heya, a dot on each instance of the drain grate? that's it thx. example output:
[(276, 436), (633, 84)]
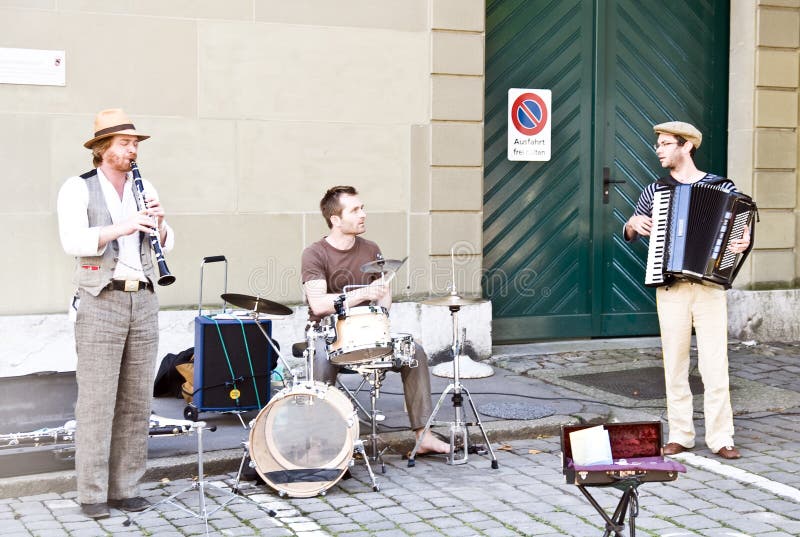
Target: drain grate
[(638, 383), (516, 411)]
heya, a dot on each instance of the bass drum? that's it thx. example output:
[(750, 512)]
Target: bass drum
[(302, 442)]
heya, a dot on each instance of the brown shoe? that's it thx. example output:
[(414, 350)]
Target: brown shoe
[(729, 452), (673, 448)]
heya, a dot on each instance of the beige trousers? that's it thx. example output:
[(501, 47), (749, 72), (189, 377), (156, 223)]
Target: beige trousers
[(679, 307), (116, 337)]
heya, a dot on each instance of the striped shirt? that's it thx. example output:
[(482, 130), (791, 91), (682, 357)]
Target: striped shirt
[(645, 204)]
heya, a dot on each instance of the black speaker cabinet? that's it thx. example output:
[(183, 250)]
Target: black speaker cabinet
[(233, 364)]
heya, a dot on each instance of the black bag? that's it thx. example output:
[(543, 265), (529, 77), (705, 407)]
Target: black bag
[(169, 380)]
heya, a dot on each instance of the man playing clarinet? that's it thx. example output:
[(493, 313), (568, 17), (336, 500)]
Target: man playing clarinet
[(683, 303), (116, 330)]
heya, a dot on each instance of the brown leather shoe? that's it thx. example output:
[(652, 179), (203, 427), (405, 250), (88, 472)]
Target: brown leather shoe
[(729, 452), (673, 448)]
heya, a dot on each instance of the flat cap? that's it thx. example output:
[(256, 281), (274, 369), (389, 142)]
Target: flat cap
[(680, 128)]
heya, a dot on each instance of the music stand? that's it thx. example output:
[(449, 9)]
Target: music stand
[(200, 485)]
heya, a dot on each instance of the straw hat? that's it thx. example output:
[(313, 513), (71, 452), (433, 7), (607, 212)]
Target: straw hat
[(111, 122), (679, 128)]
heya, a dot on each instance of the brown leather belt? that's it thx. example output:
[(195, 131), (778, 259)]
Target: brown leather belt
[(128, 285)]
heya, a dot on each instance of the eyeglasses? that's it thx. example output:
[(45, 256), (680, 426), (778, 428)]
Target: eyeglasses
[(663, 144)]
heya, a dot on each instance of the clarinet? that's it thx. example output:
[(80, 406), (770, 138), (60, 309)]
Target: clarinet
[(155, 241), (40, 437)]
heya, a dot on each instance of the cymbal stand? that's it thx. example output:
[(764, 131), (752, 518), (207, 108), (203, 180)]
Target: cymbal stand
[(255, 315), (200, 485), (458, 427)]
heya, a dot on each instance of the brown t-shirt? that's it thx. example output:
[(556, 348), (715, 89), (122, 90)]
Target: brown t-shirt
[(338, 268)]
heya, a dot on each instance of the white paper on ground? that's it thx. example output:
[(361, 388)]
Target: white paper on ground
[(591, 446)]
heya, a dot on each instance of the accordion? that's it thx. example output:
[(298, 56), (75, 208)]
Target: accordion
[(692, 228)]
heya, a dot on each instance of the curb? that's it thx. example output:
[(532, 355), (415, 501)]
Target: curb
[(225, 461)]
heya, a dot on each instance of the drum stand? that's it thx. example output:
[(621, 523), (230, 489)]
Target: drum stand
[(200, 485), (458, 427), (374, 376)]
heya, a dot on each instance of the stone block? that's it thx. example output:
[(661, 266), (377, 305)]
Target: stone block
[(778, 28), (25, 144), (777, 68), (314, 226), (456, 189), (776, 229), (740, 156), (309, 73), (457, 53), (390, 231), (143, 74), (420, 168), (408, 15), (764, 315), (456, 144), (43, 283), (191, 9), (275, 158), (797, 258), (460, 231), (775, 148), (776, 266), (30, 4), (775, 190), (457, 97), (468, 269), (776, 108), (263, 253), (419, 277), (779, 3), (192, 164), (468, 15)]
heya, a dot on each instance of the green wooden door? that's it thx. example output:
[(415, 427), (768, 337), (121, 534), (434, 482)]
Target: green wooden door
[(555, 264)]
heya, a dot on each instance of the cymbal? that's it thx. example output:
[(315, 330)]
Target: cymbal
[(383, 265), (451, 300), (260, 305)]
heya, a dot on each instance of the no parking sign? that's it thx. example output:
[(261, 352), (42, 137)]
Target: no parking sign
[(529, 124)]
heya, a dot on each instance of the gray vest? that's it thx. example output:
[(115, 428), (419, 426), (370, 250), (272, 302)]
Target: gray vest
[(95, 280)]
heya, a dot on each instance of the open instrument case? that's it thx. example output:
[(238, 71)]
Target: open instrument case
[(637, 459)]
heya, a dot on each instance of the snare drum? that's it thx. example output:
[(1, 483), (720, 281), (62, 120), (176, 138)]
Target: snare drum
[(302, 442), (361, 335)]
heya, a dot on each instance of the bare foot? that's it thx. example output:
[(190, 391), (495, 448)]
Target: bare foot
[(431, 444)]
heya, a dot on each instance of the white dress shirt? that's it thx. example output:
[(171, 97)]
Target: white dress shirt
[(78, 239)]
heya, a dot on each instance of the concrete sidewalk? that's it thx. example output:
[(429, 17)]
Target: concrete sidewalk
[(756, 495)]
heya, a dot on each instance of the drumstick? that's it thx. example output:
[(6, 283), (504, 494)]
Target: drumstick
[(387, 282)]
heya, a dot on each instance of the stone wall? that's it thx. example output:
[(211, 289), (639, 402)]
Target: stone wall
[(255, 108), (763, 143)]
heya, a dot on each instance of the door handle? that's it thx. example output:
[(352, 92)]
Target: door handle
[(607, 180)]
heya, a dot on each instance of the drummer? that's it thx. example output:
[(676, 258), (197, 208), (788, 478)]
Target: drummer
[(335, 261)]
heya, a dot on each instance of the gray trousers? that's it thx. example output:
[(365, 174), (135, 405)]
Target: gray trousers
[(416, 382), (116, 338)]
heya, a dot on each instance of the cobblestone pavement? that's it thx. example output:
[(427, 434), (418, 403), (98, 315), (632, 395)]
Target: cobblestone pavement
[(754, 496)]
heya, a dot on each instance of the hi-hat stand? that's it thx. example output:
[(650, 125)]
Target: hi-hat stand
[(200, 486), (458, 427)]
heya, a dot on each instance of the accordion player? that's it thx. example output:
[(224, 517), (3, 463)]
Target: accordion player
[(693, 224)]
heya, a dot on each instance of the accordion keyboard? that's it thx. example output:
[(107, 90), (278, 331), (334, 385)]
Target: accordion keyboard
[(654, 271)]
